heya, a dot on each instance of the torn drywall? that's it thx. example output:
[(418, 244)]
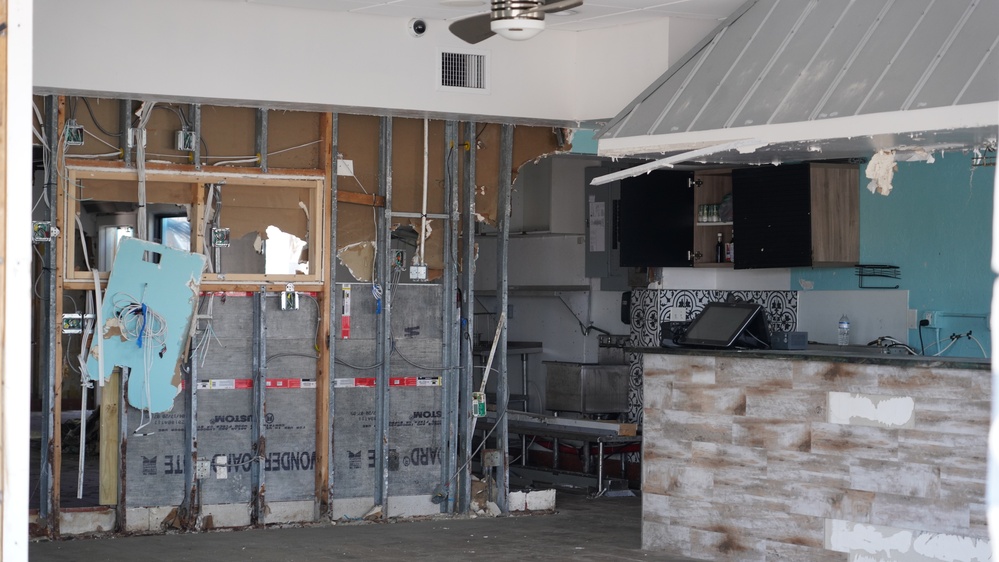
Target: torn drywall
[(359, 259), (880, 171), (146, 314)]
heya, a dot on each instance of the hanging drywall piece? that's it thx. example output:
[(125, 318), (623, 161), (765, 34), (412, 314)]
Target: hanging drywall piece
[(880, 170), (146, 314)]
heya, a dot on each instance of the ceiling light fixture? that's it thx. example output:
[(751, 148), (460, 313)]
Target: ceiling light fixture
[(517, 29)]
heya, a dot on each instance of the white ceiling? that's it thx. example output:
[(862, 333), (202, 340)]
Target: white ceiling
[(593, 14)]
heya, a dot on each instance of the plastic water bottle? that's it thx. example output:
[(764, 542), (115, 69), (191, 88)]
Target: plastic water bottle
[(844, 331)]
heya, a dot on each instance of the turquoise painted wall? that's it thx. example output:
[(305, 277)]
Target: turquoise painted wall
[(936, 225)]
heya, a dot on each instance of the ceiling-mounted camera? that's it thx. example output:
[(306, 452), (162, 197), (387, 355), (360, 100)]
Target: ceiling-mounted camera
[(417, 27)]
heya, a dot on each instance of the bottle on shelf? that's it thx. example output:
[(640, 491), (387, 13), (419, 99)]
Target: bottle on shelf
[(730, 249), (844, 331), (719, 250)]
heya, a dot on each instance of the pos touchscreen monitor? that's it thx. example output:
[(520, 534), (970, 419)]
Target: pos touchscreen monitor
[(728, 324)]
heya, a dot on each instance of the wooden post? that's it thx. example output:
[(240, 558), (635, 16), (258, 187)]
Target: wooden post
[(324, 449), (109, 453)]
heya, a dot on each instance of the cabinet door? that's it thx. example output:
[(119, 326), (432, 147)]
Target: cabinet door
[(771, 212), (655, 224)]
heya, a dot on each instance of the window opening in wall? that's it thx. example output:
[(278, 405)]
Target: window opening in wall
[(187, 210), (283, 253), (175, 232), (107, 244)]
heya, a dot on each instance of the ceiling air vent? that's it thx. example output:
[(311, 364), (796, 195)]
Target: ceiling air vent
[(464, 72)]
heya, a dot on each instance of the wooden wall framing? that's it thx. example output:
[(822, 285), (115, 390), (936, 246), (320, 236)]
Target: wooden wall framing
[(303, 148)]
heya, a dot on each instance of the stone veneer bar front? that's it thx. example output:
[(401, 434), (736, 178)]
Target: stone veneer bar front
[(818, 456)]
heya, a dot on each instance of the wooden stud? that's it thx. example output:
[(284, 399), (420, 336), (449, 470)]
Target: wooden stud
[(360, 198), (109, 451), (323, 375), (59, 250)]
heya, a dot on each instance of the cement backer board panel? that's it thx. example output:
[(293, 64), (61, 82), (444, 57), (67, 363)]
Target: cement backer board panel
[(415, 412), (154, 457), (289, 465), (225, 412)]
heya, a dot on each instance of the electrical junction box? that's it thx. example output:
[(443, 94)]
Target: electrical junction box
[(789, 340), (136, 136), (479, 404), (220, 237), (202, 469), (418, 272), (289, 298), (74, 133), (398, 260), (41, 231), (344, 167), (185, 141), (72, 323)]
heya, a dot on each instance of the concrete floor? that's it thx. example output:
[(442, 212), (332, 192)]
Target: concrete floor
[(581, 530)]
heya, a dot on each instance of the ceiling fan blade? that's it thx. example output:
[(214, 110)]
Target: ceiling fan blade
[(472, 29), (559, 6)]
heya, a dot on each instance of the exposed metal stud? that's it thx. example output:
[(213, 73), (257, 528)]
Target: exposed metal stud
[(330, 444), (449, 400), (465, 421), (502, 288), (190, 506), (124, 124), (47, 508), (261, 138), (383, 321), (194, 116), (258, 437)]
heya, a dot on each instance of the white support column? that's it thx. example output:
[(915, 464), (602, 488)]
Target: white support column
[(15, 370)]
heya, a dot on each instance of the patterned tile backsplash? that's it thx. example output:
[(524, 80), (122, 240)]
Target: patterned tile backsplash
[(649, 307)]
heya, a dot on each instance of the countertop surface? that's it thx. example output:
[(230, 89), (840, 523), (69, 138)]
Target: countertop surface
[(849, 354)]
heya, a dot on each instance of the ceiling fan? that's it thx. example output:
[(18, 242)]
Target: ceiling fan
[(513, 19)]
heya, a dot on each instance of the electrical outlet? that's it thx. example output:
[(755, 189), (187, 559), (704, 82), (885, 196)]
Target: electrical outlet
[(929, 317), (678, 313), (202, 469), (344, 167)]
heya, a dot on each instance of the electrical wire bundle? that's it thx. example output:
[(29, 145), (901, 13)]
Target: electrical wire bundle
[(148, 329)]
